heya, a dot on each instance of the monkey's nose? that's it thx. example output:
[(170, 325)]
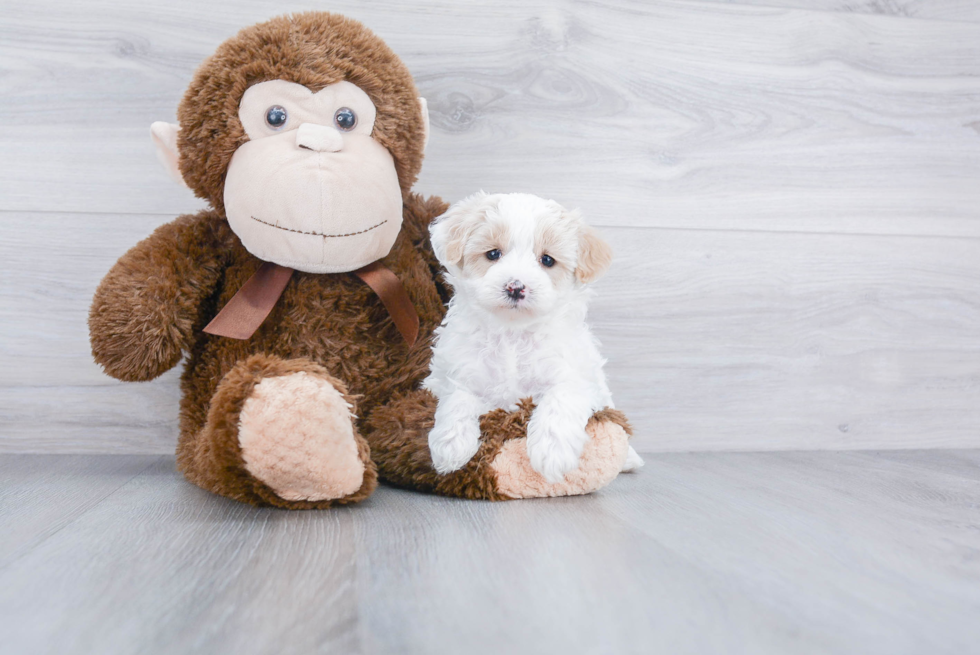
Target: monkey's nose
[(515, 290), (319, 138)]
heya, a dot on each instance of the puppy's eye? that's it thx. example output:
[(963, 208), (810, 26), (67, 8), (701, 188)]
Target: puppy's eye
[(345, 118), (493, 255), (276, 116), (547, 261)]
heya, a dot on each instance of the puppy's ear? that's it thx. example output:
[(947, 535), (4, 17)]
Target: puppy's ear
[(450, 231), (594, 255)]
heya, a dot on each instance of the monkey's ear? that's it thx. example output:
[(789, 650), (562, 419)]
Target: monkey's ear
[(425, 121), (165, 139)]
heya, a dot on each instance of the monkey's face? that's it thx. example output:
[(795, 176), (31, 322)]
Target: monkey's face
[(311, 189)]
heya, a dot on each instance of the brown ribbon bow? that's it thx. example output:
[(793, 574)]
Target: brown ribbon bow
[(247, 309)]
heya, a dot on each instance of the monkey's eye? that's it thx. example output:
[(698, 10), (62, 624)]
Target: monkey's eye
[(276, 116), (493, 255), (345, 118), (547, 261)]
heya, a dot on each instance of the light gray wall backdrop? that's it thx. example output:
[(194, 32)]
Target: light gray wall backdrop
[(792, 188)]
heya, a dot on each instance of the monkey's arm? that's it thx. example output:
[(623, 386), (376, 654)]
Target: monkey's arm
[(418, 213), (146, 308)]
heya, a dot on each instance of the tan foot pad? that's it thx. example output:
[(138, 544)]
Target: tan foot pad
[(601, 461), (296, 436)]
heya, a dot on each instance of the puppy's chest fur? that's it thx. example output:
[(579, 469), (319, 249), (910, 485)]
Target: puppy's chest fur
[(511, 366), (499, 366)]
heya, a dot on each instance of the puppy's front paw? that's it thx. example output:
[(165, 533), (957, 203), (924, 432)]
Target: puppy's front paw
[(554, 448), (453, 445)]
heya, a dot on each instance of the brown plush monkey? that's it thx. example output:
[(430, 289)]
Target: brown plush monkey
[(305, 134)]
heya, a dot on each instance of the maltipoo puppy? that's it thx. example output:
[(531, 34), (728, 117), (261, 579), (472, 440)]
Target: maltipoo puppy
[(519, 266)]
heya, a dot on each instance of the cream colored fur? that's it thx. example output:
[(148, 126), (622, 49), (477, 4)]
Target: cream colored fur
[(604, 454), (164, 137), (307, 194), (296, 436)]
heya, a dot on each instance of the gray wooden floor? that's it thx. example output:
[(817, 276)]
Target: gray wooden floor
[(860, 552)]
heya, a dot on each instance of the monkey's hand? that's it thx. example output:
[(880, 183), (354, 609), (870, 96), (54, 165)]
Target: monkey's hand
[(147, 306)]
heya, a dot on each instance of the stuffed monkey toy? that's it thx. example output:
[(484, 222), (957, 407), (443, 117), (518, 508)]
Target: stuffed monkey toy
[(304, 299)]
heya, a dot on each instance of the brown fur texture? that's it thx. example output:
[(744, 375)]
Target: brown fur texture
[(155, 301), (314, 49), (408, 420), (149, 310), (212, 459)]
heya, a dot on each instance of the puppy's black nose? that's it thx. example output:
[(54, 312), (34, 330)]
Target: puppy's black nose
[(515, 290)]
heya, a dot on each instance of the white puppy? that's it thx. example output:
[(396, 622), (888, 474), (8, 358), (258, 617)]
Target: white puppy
[(515, 328)]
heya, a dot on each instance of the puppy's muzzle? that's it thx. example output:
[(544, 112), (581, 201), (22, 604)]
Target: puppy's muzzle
[(515, 290)]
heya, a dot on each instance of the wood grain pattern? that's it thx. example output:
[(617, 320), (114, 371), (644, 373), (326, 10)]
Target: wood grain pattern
[(671, 114), (190, 573), (777, 182), (716, 340), (740, 340), (698, 553), (41, 494), (950, 10)]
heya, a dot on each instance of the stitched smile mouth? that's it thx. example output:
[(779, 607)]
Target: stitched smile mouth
[(319, 234)]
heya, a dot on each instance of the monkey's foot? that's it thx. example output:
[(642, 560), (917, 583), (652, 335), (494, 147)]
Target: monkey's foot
[(602, 459), (296, 436), (280, 432), (500, 470)]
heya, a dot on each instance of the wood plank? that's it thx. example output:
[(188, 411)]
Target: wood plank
[(715, 340), (53, 397), (41, 494), (814, 532), (949, 10), (698, 553), (556, 575), (111, 417), (670, 114), (736, 340), (171, 568)]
